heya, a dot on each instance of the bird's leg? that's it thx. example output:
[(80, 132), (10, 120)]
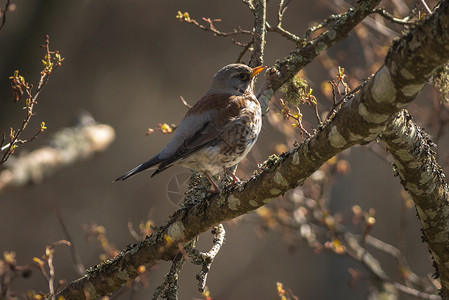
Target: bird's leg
[(214, 185), (235, 178)]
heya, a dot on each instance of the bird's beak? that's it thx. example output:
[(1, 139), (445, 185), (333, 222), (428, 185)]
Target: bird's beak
[(257, 70)]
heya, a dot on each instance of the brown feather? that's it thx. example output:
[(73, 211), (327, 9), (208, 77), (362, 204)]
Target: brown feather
[(228, 106)]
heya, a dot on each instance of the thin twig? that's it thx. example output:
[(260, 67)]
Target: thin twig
[(245, 49), (185, 102), (391, 18), (299, 123), (3, 141), (414, 292), (133, 232), (7, 146), (3, 13), (360, 254), (50, 277), (346, 97), (283, 4), (249, 3), (426, 7), (285, 33), (51, 281), (52, 61), (79, 267), (317, 114), (185, 17), (50, 250)]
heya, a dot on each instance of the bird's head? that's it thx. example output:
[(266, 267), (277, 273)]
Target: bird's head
[(235, 79)]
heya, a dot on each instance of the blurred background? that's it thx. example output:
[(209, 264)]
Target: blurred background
[(127, 63)]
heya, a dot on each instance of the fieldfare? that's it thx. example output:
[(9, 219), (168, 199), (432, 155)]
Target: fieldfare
[(218, 131)]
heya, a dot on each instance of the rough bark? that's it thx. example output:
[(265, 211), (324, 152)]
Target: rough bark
[(410, 62), (260, 17), (423, 178)]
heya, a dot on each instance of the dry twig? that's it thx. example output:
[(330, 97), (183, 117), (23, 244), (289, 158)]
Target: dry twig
[(3, 13), (205, 259), (393, 19), (52, 60)]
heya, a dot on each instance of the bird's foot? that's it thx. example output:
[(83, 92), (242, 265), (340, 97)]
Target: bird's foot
[(234, 178), (214, 185)]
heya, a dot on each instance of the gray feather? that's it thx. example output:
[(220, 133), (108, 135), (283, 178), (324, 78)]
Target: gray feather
[(148, 164)]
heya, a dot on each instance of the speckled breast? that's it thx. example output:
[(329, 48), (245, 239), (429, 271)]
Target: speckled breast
[(241, 136)]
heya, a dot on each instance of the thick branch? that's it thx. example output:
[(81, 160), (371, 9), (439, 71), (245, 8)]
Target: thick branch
[(423, 178), (409, 64), (68, 146)]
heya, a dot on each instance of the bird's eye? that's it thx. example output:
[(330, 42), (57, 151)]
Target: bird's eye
[(244, 76)]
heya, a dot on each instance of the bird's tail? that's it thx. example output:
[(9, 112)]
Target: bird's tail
[(148, 164)]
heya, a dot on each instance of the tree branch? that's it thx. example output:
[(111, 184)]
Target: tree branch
[(409, 64), (391, 18), (3, 13), (260, 31), (289, 66), (423, 178), (68, 146), (205, 259)]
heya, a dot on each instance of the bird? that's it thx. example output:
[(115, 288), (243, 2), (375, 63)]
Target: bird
[(218, 131)]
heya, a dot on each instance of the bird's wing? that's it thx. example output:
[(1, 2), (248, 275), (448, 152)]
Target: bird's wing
[(220, 108), (202, 138)]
